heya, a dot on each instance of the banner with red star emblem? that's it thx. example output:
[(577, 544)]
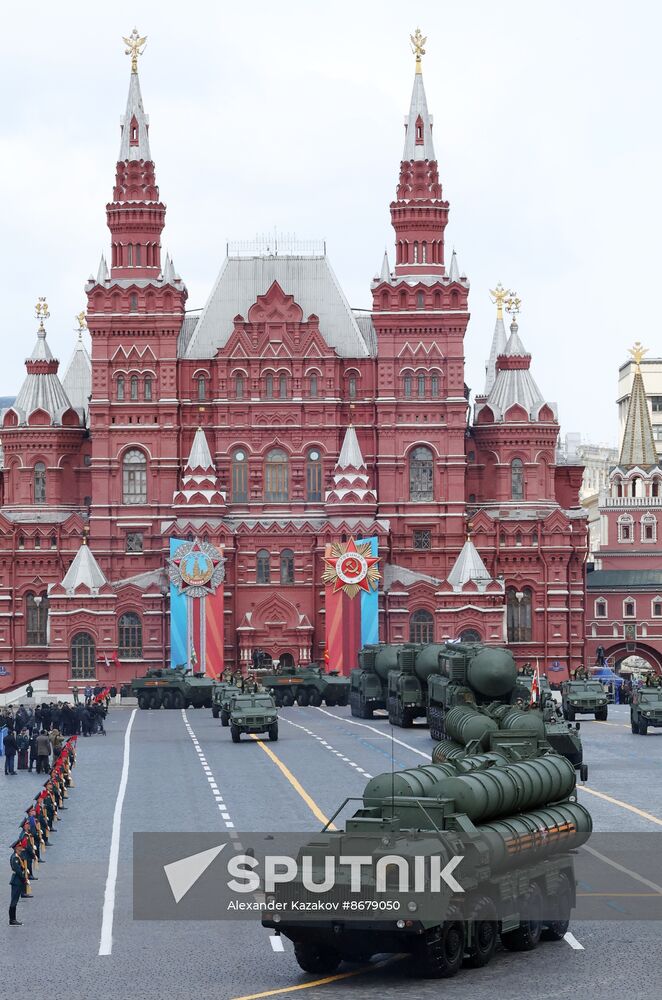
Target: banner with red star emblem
[(351, 605)]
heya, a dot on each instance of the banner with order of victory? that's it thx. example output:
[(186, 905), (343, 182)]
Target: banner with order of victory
[(197, 571)]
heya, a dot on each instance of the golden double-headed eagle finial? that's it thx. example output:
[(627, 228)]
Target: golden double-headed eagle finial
[(513, 304), (637, 352), (41, 311), (135, 46), (82, 321), (499, 296), (417, 43)]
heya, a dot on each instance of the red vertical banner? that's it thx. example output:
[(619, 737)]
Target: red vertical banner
[(345, 565), (214, 660)]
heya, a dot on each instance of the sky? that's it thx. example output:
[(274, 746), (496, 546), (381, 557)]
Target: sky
[(290, 115)]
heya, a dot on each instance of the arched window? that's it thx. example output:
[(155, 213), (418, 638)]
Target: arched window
[(239, 476), (36, 619), (263, 569), (239, 386), (469, 635), (625, 528), (601, 608), (420, 386), (202, 387), (655, 488), (415, 251), (629, 608), (421, 627), (269, 386), (134, 477), (351, 386), (421, 474), (83, 657), (130, 636), (134, 387), (517, 479), (133, 302), (434, 385), (518, 614), (313, 390), (39, 482), (314, 475), (648, 527), (406, 385), (129, 255), (420, 300), (120, 387), (282, 386), (148, 388), (287, 566), (276, 485)]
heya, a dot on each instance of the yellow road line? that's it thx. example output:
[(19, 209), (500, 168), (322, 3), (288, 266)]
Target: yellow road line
[(598, 722), (298, 787), (636, 895), (623, 805), (320, 982)]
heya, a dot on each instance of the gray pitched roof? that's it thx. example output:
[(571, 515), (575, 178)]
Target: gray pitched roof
[(41, 390), (407, 577), (515, 385), (310, 280), (84, 569), (638, 441), (367, 327), (77, 381), (624, 579), (498, 347), (134, 108), (418, 107), (468, 566)]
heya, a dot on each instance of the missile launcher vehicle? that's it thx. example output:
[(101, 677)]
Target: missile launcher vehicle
[(488, 839), (369, 681)]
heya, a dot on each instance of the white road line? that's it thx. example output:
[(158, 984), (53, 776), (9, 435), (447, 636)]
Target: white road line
[(106, 941), (213, 787), (327, 746), (380, 732), (572, 941), (622, 868), (276, 943)]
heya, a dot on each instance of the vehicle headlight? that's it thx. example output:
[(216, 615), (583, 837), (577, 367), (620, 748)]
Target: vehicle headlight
[(239, 718), (412, 906)]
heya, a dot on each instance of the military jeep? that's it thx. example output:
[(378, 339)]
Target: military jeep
[(253, 713), (646, 710), (585, 697)]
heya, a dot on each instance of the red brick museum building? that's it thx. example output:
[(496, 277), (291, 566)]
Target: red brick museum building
[(276, 420)]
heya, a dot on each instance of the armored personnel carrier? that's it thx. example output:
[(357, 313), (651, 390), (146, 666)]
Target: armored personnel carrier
[(172, 688), (509, 814), (306, 685), (646, 709), (253, 713), (584, 697)]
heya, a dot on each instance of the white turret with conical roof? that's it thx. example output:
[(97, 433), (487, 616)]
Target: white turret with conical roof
[(200, 487), (469, 566), (350, 478), (638, 448), (134, 144), (84, 570)]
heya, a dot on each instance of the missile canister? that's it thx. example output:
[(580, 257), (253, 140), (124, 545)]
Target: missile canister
[(464, 724), (513, 788), (509, 717), (416, 782), (447, 750), (547, 831), (492, 672)]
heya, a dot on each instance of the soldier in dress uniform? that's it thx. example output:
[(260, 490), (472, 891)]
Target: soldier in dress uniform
[(18, 880)]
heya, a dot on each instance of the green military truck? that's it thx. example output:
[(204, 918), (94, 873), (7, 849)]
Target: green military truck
[(176, 687), (253, 713), (583, 697), (646, 709), (369, 680), (306, 686)]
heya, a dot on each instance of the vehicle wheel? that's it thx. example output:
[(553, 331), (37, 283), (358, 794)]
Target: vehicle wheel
[(485, 933), (367, 712), (439, 954), (407, 719), (287, 699), (197, 705), (277, 697), (316, 699), (225, 718), (235, 734), (215, 711), (601, 715), (583, 772), (570, 714), (343, 700), (273, 732), (643, 727), (177, 699), (208, 703), (315, 957), (143, 700), (527, 935), (554, 930), (302, 698), (155, 700), (330, 701), (166, 701)]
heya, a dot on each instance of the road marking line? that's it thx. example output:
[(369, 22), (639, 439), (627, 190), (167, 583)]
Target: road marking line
[(106, 941), (622, 868), (384, 735), (327, 746), (322, 982), (276, 943), (623, 805), (296, 785), (572, 941), (213, 786)]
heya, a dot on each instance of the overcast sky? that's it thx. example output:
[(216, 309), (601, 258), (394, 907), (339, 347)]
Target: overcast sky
[(262, 114)]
